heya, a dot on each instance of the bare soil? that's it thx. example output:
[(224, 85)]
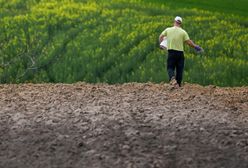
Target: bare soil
[(123, 126)]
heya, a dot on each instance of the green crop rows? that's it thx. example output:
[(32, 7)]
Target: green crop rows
[(115, 41)]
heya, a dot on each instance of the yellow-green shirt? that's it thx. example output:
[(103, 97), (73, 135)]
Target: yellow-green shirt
[(176, 37)]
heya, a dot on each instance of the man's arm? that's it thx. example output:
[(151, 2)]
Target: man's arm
[(190, 43), (161, 37), (193, 45)]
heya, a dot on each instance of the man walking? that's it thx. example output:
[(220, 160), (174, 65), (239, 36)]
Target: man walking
[(176, 37)]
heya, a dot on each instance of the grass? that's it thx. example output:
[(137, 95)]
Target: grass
[(117, 41), (237, 7)]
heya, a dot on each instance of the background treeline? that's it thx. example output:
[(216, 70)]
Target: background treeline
[(117, 41)]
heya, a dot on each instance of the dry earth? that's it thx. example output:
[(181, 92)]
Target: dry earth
[(123, 126)]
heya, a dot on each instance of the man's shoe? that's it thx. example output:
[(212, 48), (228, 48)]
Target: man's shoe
[(174, 83)]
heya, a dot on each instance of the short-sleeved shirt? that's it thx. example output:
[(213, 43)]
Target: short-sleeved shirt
[(176, 37)]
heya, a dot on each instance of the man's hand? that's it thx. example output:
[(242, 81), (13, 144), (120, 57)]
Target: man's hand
[(198, 48)]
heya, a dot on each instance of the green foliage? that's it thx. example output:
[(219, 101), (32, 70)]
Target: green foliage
[(117, 41), (238, 7)]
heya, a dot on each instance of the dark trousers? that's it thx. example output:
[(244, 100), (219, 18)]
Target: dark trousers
[(175, 61)]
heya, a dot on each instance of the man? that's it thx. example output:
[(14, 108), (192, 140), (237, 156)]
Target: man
[(176, 37)]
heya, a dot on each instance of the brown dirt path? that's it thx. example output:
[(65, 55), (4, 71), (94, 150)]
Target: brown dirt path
[(123, 126)]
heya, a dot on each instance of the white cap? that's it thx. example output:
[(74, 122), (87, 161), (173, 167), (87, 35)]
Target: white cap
[(178, 19)]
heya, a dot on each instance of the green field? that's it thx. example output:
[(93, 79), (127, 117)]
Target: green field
[(237, 7), (116, 41)]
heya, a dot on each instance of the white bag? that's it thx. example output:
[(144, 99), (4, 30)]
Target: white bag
[(163, 44)]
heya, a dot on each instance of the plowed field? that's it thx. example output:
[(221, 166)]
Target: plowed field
[(123, 126)]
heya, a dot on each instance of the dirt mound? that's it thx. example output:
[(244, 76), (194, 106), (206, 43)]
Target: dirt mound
[(123, 126)]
